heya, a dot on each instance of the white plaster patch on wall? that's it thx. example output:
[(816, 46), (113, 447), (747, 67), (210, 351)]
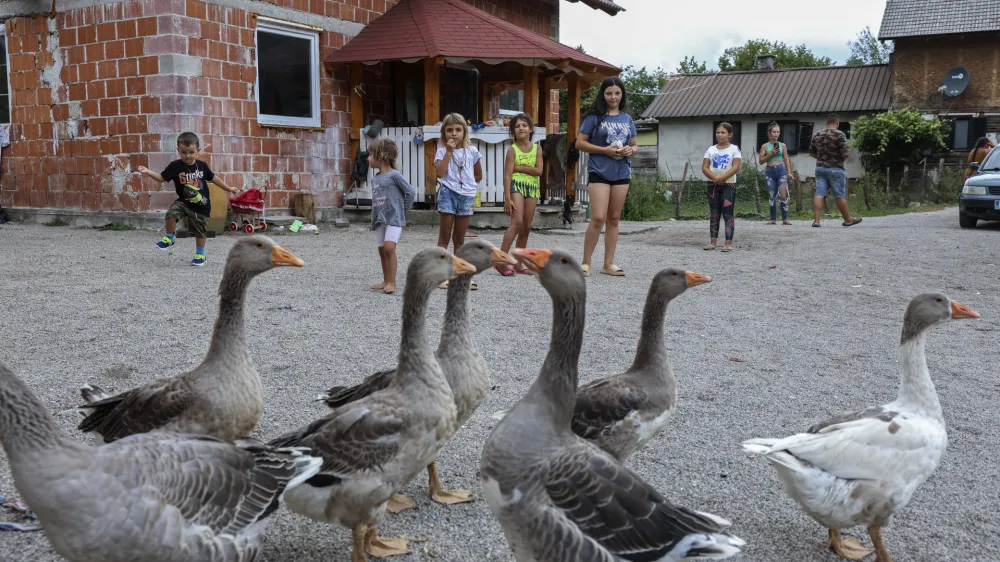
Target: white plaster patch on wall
[(52, 75), (116, 175)]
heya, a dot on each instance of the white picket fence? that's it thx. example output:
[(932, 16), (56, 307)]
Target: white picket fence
[(492, 143)]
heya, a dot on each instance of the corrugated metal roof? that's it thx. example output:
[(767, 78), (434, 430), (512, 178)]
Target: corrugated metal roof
[(607, 6), (775, 92), (914, 18)]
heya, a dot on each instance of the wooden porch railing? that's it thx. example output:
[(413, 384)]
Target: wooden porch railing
[(492, 144)]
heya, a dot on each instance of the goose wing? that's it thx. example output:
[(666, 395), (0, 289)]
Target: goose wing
[(212, 483), (339, 395), (614, 507), (139, 410), (602, 404), (350, 440), (865, 445)]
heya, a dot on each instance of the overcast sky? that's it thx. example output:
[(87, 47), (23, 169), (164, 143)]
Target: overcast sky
[(655, 33)]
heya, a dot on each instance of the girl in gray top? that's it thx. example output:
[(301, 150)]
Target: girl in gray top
[(392, 195)]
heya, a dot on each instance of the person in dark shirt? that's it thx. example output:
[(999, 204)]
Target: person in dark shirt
[(190, 177), (829, 147)]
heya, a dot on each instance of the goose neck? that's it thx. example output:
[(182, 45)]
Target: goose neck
[(556, 385), (457, 332), (651, 350), (415, 356), (230, 332), (25, 423), (916, 389)]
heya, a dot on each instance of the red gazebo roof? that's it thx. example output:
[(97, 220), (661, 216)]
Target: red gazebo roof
[(421, 29)]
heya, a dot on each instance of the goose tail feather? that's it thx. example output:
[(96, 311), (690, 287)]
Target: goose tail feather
[(93, 393), (759, 446), (714, 546)]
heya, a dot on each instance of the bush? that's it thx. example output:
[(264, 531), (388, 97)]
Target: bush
[(897, 138), (647, 200)]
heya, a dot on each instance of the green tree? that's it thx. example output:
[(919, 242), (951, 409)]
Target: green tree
[(641, 84), (744, 57), (897, 138), (868, 49), (692, 66)]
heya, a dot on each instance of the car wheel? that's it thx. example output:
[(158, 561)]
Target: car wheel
[(965, 221)]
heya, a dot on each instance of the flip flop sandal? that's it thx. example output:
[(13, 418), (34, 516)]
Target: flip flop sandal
[(586, 270), (523, 271), (728, 249), (856, 221), (506, 272), (815, 225), (709, 248), (613, 271), (474, 286)]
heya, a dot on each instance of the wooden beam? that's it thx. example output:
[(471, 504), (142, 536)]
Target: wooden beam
[(484, 101), (531, 92), (432, 114), (572, 126), (356, 107), (544, 95)]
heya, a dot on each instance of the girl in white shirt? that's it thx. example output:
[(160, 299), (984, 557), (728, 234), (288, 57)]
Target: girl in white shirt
[(721, 164)]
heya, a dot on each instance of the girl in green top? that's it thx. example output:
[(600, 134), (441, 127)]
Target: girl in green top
[(521, 182)]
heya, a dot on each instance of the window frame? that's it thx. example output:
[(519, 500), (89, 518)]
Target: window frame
[(10, 94), (299, 32), (510, 112), (954, 136)]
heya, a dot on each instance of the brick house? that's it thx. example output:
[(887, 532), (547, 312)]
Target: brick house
[(93, 92), (933, 37)]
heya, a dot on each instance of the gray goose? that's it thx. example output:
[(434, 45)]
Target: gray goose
[(460, 360), (223, 396), (861, 468), (156, 497), (558, 497), (374, 447), (620, 413)]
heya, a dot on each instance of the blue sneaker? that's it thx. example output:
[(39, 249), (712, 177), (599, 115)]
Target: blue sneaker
[(165, 243), (198, 260)]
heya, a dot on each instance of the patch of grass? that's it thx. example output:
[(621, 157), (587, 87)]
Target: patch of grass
[(646, 200), (55, 222), (117, 227)]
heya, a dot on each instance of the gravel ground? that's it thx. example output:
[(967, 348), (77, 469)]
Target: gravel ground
[(760, 352)]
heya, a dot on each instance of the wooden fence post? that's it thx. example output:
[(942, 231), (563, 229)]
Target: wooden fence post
[(887, 184), (680, 192), (756, 191), (797, 181), (923, 178)]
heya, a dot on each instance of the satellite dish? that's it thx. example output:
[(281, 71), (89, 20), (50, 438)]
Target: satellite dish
[(955, 82)]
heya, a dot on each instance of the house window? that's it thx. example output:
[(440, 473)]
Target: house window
[(511, 102), (287, 85), (846, 129), (4, 81), (960, 135)]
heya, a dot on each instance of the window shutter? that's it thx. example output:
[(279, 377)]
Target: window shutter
[(951, 133), (761, 136), (737, 133), (977, 130), (715, 125), (805, 136), (846, 129)]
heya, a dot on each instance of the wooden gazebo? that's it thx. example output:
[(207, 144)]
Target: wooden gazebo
[(439, 32)]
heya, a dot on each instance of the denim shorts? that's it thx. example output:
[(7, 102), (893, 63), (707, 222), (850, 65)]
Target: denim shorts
[(454, 204), (831, 180)]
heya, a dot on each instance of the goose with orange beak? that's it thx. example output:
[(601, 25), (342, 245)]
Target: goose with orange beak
[(861, 468), (621, 413), (223, 396)]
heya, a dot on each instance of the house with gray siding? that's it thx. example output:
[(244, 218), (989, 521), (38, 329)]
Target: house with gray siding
[(690, 106)]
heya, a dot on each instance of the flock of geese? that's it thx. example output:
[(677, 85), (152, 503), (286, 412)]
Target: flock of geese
[(177, 479)]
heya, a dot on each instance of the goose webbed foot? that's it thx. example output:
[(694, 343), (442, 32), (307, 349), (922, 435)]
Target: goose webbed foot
[(848, 548), (442, 495), (400, 502), (382, 548)]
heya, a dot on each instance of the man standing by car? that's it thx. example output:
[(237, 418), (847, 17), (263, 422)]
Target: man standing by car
[(829, 148)]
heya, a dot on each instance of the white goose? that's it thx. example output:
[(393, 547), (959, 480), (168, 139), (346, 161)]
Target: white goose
[(860, 468), (156, 497)]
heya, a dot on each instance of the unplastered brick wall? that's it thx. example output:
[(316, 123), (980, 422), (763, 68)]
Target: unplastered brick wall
[(98, 91), (920, 65)]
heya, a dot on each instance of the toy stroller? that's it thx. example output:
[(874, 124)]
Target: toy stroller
[(249, 203)]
